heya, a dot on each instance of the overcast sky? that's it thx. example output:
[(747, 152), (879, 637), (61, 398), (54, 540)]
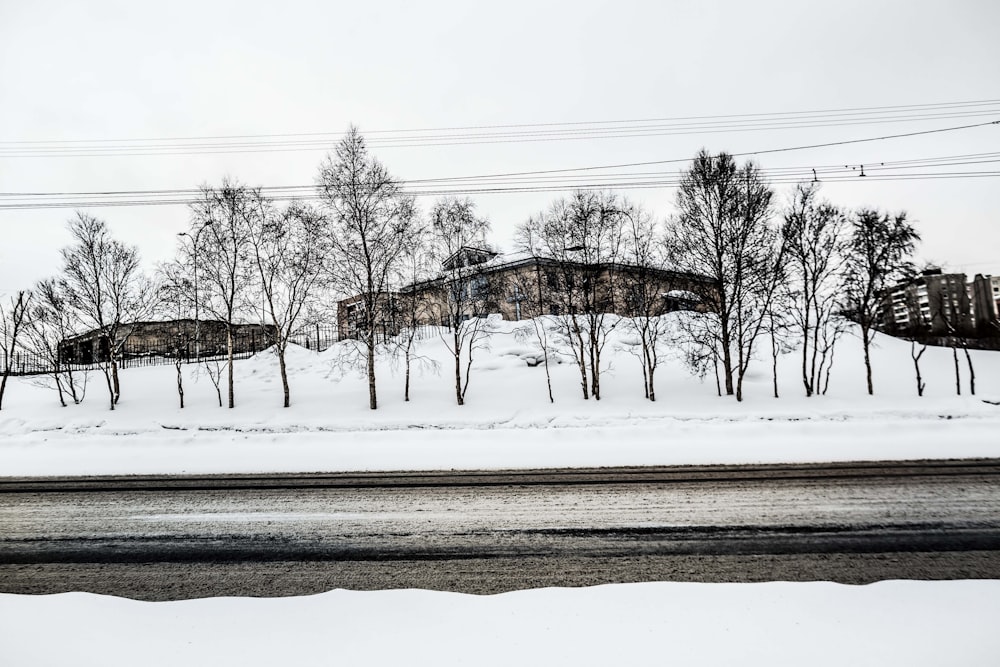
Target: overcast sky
[(80, 74)]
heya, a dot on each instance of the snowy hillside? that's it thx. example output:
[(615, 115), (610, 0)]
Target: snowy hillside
[(508, 421)]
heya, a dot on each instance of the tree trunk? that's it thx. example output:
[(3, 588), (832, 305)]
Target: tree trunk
[(972, 371), (458, 368), (774, 362), (72, 386), (866, 343), (727, 367), (372, 396), (916, 366), (652, 391), (229, 356), (284, 375), (59, 388), (581, 361), (715, 365), (406, 386), (595, 371), (180, 385), (114, 379), (645, 375), (806, 376), (111, 390), (3, 385), (958, 378)]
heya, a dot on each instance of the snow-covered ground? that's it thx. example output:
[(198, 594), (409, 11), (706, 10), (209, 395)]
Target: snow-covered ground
[(509, 423), (906, 623)]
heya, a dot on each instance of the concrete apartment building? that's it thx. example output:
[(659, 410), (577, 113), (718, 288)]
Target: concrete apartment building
[(942, 304)]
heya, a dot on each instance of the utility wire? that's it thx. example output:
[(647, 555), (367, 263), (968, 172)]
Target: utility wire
[(476, 184), (848, 111)]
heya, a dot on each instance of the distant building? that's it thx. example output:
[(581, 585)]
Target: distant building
[(986, 302), (168, 339), (475, 282), (941, 304)]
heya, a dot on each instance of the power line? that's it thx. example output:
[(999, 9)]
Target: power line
[(778, 114), (561, 132), (478, 184), (513, 188)]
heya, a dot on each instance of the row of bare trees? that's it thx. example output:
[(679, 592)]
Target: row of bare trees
[(791, 273), (797, 274)]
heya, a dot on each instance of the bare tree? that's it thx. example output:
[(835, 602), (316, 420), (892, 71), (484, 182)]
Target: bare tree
[(525, 287), (51, 323), (371, 221), (176, 291), (949, 310), (878, 248), (722, 231), (814, 234), (582, 236), (417, 266), (646, 301), (289, 253), (106, 291), (222, 217), (15, 317), (458, 237)]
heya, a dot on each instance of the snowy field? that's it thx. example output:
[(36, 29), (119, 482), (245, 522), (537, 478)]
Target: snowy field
[(906, 623), (509, 423)]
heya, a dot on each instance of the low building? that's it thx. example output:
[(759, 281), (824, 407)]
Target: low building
[(475, 282), (171, 338)]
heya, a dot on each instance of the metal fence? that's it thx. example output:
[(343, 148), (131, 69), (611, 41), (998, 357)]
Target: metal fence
[(160, 352)]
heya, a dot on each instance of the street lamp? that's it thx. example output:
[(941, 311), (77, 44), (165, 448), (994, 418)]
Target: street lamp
[(197, 332)]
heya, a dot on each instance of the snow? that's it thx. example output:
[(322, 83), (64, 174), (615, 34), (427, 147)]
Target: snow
[(888, 623), (509, 423)]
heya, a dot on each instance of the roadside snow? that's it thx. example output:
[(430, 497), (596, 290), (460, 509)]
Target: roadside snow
[(906, 623), (507, 422)]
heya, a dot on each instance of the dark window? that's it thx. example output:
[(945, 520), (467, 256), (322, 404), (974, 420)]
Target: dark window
[(479, 287)]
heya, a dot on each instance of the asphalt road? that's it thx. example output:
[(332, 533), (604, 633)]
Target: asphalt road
[(484, 532)]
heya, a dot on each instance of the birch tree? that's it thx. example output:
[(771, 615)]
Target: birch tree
[(722, 230), (51, 323), (14, 319), (106, 291), (878, 247), (288, 251), (815, 243), (221, 221), (582, 235), (371, 220), (468, 292)]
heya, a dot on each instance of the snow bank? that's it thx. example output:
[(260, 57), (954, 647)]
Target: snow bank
[(508, 421), (904, 623)]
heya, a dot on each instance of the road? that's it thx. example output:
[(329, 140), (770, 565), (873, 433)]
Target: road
[(159, 538)]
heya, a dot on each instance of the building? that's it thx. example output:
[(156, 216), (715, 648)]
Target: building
[(941, 304), (475, 282), (165, 339), (986, 302)]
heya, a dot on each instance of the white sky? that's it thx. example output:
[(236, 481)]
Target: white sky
[(104, 70)]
